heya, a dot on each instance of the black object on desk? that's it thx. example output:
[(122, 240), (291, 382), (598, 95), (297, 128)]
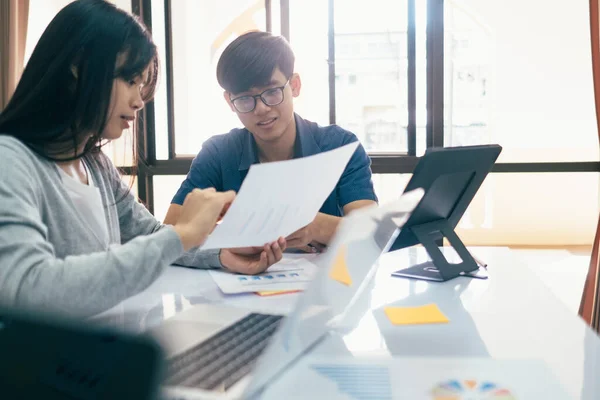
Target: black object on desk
[(450, 177), (42, 357)]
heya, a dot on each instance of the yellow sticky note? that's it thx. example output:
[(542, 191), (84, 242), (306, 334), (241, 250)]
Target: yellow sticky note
[(427, 314), (275, 292), (339, 272)]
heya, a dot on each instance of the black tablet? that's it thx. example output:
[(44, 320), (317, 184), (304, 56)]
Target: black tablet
[(450, 177)]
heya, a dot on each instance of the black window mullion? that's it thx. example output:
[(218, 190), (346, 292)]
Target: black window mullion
[(145, 185), (392, 164), (169, 76), (145, 143), (411, 129), (147, 118), (146, 157), (435, 73), (331, 61)]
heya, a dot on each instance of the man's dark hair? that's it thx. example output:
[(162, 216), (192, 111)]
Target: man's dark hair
[(249, 61)]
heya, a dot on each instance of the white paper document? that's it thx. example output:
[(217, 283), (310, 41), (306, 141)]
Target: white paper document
[(429, 378), (293, 272), (278, 198)]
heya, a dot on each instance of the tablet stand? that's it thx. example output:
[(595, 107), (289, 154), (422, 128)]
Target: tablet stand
[(439, 269)]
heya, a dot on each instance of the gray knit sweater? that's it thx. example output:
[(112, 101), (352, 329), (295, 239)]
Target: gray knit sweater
[(51, 261)]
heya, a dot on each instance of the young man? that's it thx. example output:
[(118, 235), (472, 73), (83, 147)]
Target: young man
[(257, 73)]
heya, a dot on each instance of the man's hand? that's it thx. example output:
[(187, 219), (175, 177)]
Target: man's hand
[(252, 260), (304, 239)]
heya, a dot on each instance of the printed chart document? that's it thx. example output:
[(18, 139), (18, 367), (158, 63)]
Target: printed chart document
[(293, 272), (417, 379), (278, 198)]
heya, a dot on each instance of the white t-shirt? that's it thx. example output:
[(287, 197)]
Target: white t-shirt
[(88, 203)]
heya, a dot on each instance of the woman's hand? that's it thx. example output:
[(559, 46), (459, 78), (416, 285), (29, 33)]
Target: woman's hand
[(200, 212)]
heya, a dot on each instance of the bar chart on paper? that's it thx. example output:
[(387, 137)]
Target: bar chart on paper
[(359, 382), (294, 272)]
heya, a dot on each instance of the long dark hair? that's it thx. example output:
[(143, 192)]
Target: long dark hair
[(65, 90)]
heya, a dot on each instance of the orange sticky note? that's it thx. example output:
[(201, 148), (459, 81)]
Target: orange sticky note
[(339, 272), (427, 314), (275, 292), (471, 384)]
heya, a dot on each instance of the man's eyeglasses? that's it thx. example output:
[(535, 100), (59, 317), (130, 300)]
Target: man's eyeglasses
[(271, 97)]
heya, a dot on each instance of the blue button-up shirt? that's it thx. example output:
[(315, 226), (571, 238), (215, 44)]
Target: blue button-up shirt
[(224, 161)]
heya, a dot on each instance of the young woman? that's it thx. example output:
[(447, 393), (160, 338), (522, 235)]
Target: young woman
[(73, 239)]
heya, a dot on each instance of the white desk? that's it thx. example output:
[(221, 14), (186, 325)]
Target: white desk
[(512, 315)]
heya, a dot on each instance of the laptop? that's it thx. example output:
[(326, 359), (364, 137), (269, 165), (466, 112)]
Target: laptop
[(224, 352), (47, 356)]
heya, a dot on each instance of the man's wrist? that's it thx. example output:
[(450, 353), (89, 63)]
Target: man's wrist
[(325, 226)]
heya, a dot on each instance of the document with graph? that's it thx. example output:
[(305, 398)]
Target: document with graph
[(431, 378), (293, 272), (278, 198)]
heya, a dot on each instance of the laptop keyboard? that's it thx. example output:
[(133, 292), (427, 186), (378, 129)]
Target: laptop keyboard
[(220, 361)]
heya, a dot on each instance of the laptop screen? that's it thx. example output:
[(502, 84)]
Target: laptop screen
[(345, 271)]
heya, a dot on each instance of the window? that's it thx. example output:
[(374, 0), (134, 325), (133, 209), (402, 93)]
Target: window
[(309, 42), (165, 188), (200, 32), (370, 58), (543, 209), (382, 129), (403, 76), (529, 89)]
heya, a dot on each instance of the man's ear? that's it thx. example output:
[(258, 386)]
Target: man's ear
[(228, 100), (295, 84)]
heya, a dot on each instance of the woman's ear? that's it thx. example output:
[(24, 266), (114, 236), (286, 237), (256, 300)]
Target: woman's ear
[(74, 71), (295, 84)]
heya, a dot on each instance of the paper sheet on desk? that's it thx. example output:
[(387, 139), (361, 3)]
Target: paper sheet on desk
[(293, 272), (342, 377), (278, 198)]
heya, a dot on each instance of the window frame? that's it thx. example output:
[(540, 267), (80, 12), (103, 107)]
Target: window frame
[(147, 166)]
